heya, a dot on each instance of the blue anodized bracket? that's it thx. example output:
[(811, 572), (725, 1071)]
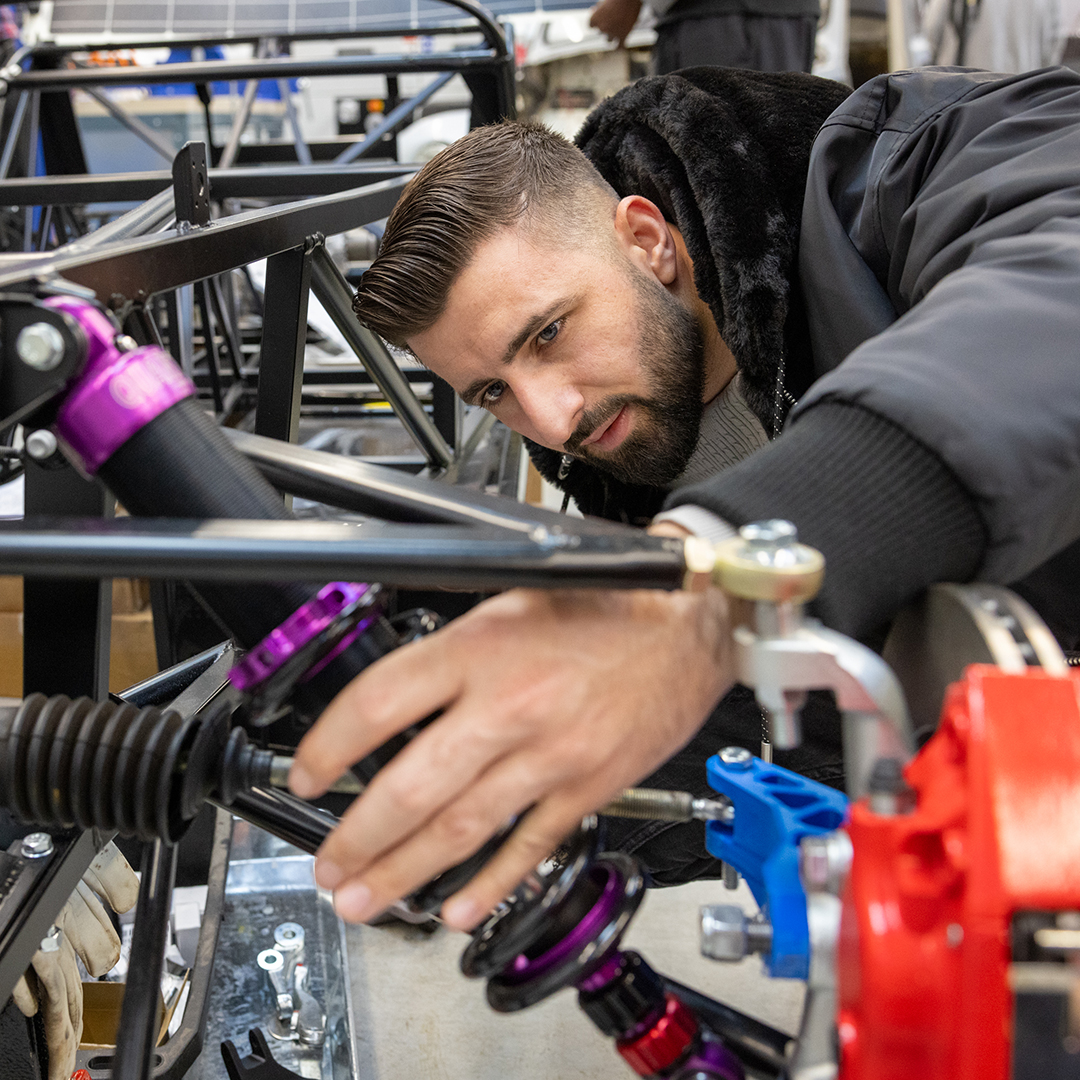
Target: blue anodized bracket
[(774, 809)]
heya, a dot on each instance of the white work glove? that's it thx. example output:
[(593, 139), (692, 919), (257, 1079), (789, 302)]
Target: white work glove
[(83, 927)]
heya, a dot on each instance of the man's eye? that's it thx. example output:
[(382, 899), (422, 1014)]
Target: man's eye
[(492, 393), (550, 332)]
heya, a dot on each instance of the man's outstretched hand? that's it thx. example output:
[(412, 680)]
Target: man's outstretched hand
[(551, 700)]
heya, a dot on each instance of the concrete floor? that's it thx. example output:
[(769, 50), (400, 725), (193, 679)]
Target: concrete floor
[(416, 1015)]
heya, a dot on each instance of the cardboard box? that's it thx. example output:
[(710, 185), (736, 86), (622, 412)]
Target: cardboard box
[(11, 646), (132, 656), (101, 1015), (11, 598), (130, 595)]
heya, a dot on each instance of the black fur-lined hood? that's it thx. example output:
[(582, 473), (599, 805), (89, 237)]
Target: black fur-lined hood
[(724, 153)]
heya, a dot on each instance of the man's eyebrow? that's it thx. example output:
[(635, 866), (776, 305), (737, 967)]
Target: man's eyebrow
[(535, 323)]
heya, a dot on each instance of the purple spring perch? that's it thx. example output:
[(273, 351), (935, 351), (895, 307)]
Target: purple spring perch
[(118, 393), (596, 917), (307, 622), (712, 1060)]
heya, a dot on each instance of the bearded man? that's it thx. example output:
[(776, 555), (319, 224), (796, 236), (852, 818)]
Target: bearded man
[(903, 262)]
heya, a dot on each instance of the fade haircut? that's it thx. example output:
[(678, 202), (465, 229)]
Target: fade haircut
[(489, 180)]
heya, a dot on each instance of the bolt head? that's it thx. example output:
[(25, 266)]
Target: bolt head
[(769, 535), (723, 932), (736, 757), (40, 346), (37, 845), (41, 444), (824, 861)]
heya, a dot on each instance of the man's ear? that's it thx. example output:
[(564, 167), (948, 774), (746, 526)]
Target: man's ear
[(645, 236)]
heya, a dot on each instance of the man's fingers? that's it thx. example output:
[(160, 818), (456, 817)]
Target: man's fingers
[(535, 838), (460, 830), (383, 700), (422, 779)]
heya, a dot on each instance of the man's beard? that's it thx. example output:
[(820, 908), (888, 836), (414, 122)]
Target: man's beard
[(668, 422)]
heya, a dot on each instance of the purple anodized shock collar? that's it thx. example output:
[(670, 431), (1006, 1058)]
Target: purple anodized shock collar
[(305, 624), (714, 1060), (118, 393), (596, 917)]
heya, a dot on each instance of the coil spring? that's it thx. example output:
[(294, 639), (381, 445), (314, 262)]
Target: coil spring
[(561, 927)]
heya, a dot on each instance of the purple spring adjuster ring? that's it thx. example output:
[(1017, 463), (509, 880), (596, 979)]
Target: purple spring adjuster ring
[(117, 393), (327, 607)]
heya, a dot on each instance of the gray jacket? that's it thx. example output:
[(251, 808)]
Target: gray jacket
[(939, 261)]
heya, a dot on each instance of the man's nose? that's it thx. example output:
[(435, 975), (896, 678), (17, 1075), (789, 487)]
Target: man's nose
[(551, 408)]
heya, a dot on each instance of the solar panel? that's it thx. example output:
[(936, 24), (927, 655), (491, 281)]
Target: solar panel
[(238, 18)]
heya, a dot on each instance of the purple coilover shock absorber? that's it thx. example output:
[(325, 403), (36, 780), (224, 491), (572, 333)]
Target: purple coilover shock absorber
[(131, 417), (563, 928)]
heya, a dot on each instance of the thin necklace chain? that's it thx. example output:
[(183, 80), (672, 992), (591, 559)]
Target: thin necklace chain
[(780, 398)]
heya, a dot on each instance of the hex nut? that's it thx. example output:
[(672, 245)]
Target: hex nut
[(40, 346), (824, 861), (723, 932), (41, 444), (736, 757), (37, 845)]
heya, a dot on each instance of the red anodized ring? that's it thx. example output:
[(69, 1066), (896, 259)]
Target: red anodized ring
[(664, 1043)]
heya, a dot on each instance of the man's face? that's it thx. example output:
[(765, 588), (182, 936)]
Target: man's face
[(576, 348)]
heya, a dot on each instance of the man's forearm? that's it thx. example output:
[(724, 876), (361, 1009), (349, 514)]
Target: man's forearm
[(888, 515)]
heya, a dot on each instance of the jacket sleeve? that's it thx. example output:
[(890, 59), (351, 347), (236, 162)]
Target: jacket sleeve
[(947, 445)]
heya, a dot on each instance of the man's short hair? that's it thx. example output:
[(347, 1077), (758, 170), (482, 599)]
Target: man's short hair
[(492, 178)]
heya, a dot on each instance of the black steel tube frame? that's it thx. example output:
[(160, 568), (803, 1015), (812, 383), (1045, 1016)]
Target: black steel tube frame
[(334, 294), (389, 494), (20, 937), (153, 214), (139, 268), (396, 118), (137, 1033), (266, 182), (281, 356), (269, 68), (136, 126), (232, 143), (481, 558)]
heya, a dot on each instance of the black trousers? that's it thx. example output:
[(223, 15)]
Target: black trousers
[(674, 854), (758, 42)]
